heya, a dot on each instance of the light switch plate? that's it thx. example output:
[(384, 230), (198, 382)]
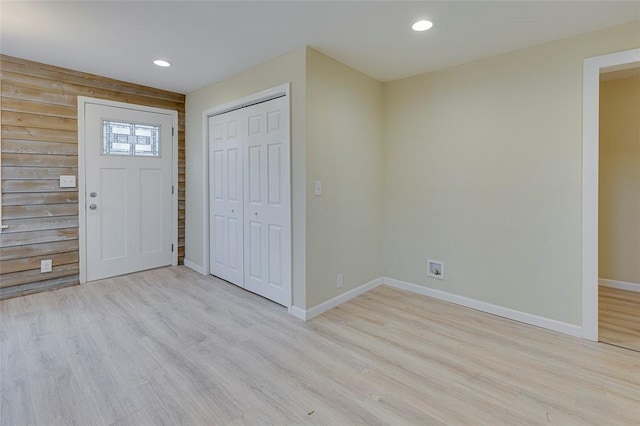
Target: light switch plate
[(67, 181), (318, 188)]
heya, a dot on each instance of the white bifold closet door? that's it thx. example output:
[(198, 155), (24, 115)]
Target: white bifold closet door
[(225, 186), (250, 193)]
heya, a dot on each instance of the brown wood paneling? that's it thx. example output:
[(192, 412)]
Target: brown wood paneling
[(24, 199), (40, 224), (15, 146), (31, 276), (37, 287), (37, 173), (27, 185), (12, 118), (39, 108), (11, 239), (82, 90), (39, 210), (37, 95), (19, 252), (35, 134), (39, 143), (21, 160), (29, 263)]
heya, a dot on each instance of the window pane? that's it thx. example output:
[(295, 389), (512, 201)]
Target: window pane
[(120, 138)]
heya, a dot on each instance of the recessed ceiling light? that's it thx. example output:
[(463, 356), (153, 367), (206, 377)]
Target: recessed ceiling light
[(162, 63), (422, 25)]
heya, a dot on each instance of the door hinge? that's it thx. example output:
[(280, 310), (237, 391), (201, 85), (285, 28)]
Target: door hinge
[(172, 189), (171, 248), (173, 131)]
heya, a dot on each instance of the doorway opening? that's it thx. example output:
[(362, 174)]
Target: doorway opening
[(619, 209), (592, 70)]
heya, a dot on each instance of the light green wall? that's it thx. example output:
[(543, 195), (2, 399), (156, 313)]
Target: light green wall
[(483, 171), (619, 218), (337, 139), (281, 70), (477, 165), (344, 152)]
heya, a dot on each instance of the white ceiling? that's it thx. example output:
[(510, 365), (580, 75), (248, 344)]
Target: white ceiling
[(209, 41)]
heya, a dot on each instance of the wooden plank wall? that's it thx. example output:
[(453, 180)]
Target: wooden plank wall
[(39, 143)]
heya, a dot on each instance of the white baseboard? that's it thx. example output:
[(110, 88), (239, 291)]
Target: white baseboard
[(199, 269), (298, 313), (308, 314), (620, 285), (549, 324)]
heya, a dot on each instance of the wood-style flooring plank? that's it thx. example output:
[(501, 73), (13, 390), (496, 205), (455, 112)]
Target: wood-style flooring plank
[(170, 346), (619, 317)]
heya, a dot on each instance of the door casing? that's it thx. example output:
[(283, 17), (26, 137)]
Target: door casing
[(82, 102)]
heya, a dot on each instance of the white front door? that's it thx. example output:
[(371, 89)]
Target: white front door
[(225, 183), (250, 196), (128, 190)]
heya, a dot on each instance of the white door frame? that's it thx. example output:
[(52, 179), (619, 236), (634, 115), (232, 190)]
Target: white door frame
[(265, 95), (592, 69), (83, 101)]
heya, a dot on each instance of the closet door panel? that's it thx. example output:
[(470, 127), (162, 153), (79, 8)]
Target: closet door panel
[(226, 198), (255, 188), (268, 183)]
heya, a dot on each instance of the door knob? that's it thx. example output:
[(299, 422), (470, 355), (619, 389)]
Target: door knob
[(255, 213), (93, 207), (93, 195), (233, 211)]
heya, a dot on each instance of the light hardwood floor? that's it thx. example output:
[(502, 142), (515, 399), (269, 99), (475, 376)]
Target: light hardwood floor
[(170, 346), (619, 317)]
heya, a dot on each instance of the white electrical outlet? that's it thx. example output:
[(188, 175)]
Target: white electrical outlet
[(339, 281), (317, 188), (45, 266)]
